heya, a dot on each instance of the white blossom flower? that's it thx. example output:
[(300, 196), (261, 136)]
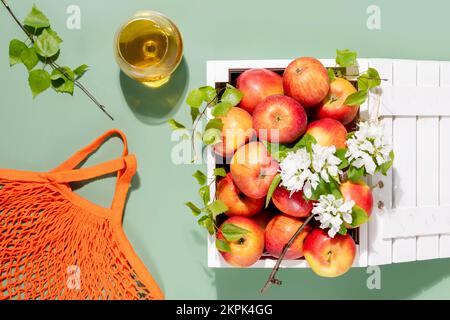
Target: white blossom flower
[(332, 213), (296, 174), (302, 170), (368, 147), (325, 162)]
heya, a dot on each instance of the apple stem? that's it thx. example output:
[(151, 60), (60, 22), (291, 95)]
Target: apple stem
[(286, 247)]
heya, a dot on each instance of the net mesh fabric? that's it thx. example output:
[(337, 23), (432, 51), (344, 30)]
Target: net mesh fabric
[(53, 248)]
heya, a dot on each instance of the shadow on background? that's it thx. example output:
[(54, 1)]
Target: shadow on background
[(398, 281), (155, 106)]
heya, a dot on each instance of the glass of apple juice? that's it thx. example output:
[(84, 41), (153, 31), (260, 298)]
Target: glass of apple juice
[(149, 48)]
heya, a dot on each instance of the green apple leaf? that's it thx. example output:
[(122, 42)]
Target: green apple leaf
[(209, 93), (334, 189), (363, 84), (277, 151), (207, 222), (39, 81), (47, 44), (359, 216), (80, 71), (36, 19), (55, 35), (63, 80), (222, 245), (216, 208), (200, 177), (194, 114), (16, 47), (195, 98), (340, 153), (387, 165), (212, 136), (175, 125), (342, 230), (232, 96), (29, 58), (220, 172), (275, 183), (368, 80), (357, 98), (322, 189), (355, 174), (232, 232), (195, 210), (221, 109), (331, 74), (214, 124), (346, 58), (205, 195), (305, 142)]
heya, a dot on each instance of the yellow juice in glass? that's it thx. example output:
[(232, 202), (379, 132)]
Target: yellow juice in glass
[(149, 48)]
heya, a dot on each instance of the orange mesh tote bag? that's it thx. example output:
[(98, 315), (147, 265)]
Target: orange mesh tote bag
[(54, 244)]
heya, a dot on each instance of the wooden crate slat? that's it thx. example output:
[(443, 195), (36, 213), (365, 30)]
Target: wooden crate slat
[(379, 249), (420, 221), (404, 138), (362, 253), (428, 158), (420, 101), (444, 157)]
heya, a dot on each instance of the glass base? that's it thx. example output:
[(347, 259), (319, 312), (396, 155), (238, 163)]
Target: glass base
[(157, 83)]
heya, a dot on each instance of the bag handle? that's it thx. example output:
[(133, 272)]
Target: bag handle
[(125, 167), (84, 153)]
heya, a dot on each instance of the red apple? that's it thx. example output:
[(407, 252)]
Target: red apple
[(361, 194), (294, 205), (246, 250), (328, 132), (306, 80), (329, 257), (238, 203), (253, 169), (237, 130), (279, 231), (256, 85), (279, 119), (333, 105)]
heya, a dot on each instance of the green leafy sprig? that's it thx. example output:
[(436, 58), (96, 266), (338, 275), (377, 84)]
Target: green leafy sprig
[(41, 49), (209, 210), (366, 80), (207, 103)]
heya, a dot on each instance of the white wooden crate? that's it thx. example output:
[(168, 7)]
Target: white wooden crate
[(415, 105)]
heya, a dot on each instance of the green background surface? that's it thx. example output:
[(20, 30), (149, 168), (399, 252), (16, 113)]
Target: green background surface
[(38, 135)]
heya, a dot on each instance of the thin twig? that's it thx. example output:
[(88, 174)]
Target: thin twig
[(369, 78), (29, 35), (275, 269), (54, 65), (82, 88)]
